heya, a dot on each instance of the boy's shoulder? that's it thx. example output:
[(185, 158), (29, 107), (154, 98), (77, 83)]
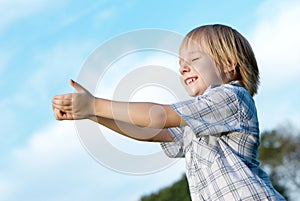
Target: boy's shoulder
[(232, 90), (234, 87)]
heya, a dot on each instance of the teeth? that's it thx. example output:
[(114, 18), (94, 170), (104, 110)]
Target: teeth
[(190, 80)]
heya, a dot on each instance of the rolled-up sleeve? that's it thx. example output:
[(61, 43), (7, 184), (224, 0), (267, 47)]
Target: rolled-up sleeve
[(213, 113), (174, 149)]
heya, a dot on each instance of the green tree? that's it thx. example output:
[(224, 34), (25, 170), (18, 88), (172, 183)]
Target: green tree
[(176, 192), (279, 154)]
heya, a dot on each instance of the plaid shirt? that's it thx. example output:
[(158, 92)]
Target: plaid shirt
[(220, 146)]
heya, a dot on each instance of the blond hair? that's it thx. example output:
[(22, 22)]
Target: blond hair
[(227, 48)]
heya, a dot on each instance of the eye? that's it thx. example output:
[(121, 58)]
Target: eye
[(195, 59)]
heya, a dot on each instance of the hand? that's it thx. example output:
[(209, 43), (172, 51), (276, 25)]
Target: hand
[(74, 106)]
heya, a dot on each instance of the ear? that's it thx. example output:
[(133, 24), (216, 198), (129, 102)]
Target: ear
[(231, 67)]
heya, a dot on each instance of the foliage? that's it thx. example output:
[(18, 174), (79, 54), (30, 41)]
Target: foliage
[(279, 155), (177, 192)]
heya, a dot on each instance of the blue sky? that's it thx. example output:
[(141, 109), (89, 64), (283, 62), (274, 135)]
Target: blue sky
[(44, 43)]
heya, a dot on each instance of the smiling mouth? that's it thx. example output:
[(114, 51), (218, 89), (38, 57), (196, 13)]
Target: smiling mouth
[(190, 80)]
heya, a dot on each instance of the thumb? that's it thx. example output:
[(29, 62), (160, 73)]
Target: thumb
[(77, 86)]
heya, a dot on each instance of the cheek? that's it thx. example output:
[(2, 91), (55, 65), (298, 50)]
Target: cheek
[(182, 81), (209, 75), (212, 77)]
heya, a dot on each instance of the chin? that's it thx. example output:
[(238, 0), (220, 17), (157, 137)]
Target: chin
[(193, 94), (196, 93)]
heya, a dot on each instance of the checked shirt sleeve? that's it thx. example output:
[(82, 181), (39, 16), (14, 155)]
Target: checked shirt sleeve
[(174, 149), (213, 113)]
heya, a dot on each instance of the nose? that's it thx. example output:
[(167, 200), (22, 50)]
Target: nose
[(184, 67)]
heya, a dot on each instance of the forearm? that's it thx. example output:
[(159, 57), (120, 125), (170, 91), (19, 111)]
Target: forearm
[(133, 131), (138, 113)]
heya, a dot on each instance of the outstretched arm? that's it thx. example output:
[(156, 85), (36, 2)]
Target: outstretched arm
[(126, 129), (135, 132), (143, 114), (83, 105)]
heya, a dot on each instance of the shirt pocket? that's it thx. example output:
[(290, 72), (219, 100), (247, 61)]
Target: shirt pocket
[(205, 153)]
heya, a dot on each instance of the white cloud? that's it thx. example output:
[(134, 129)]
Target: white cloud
[(50, 161), (53, 146), (276, 43), (13, 10), (47, 151), (104, 14)]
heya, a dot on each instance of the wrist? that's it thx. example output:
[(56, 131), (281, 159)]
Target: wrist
[(99, 107)]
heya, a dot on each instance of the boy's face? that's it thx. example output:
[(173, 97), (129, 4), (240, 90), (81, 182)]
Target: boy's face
[(197, 71)]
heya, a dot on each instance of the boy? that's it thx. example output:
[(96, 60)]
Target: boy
[(217, 131)]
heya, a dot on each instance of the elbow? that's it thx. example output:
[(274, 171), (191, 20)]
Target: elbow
[(163, 116), (158, 117), (152, 139)]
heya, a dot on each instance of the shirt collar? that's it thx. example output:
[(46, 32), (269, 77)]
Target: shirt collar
[(234, 83)]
